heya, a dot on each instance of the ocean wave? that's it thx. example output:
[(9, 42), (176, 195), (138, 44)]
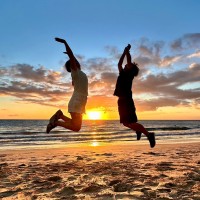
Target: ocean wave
[(169, 128), (97, 131), (32, 132)]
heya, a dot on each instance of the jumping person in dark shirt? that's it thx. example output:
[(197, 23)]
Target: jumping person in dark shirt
[(126, 105)]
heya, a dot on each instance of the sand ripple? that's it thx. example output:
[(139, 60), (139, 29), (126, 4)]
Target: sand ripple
[(102, 173)]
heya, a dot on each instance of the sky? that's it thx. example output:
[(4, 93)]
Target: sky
[(165, 40)]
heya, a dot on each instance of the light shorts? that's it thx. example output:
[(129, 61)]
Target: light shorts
[(77, 104)]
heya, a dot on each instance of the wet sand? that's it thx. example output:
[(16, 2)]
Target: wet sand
[(169, 171)]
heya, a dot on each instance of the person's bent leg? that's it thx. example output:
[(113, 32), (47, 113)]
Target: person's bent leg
[(76, 121), (139, 134), (136, 127), (59, 115), (65, 118), (65, 124), (52, 122), (140, 127), (73, 124)]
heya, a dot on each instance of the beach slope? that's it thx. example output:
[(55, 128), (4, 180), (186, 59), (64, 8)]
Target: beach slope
[(169, 171)]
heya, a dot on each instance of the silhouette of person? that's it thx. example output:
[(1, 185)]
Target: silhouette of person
[(126, 107), (77, 103)]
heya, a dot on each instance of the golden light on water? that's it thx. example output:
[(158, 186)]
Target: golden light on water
[(94, 143)]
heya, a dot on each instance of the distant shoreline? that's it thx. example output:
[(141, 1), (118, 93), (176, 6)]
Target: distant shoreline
[(133, 144), (113, 119)]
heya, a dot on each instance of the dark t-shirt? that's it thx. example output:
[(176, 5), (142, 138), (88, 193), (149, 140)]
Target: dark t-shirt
[(124, 84)]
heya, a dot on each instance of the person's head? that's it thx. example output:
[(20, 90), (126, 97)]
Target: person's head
[(68, 65), (133, 67)]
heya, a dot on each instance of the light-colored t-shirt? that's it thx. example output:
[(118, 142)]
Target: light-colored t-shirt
[(80, 82)]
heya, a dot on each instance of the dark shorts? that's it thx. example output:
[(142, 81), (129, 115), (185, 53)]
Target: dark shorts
[(126, 110)]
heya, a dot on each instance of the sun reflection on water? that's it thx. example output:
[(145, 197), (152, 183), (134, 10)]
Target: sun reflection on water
[(94, 143)]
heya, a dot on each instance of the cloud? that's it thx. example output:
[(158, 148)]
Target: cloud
[(34, 85), (194, 55), (154, 104), (150, 48), (98, 65), (153, 53), (147, 53), (151, 91), (186, 41), (169, 60), (108, 77), (101, 101), (33, 93), (161, 89), (28, 72), (164, 90), (113, 51), (104, 85)]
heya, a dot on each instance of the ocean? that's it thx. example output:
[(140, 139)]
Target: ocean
[(15, 134)]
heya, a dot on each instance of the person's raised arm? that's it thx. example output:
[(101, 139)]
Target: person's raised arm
[(126, 51), (128, 55), (73, 61), (121, 60)]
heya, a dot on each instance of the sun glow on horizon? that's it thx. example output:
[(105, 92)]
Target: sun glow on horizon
[(94, 115)]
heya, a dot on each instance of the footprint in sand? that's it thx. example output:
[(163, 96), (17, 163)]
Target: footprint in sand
[(113, 182), (107, 154), (54, 178), (124, 196), (66, 191), (21, 166), (3, 157), (122, 187), (79, 158), (194, 176), (170, 185), (9, 193), (92, 188), (3, 165), (153, 154), (164, 166)]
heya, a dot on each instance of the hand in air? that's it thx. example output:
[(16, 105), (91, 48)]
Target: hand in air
[(127, 49), (60, 40)]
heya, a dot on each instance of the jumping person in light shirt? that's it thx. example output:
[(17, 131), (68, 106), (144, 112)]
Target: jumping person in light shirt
[(77, 103)]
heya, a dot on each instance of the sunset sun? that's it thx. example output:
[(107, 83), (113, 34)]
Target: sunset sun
[(94, 115)]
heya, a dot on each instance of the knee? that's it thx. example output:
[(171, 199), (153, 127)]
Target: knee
[(76, 127), (125, 124)]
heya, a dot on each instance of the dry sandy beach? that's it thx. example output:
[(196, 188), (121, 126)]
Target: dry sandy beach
[(169, 171)]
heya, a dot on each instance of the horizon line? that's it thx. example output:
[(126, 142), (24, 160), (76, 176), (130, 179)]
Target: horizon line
[(118, 119)]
